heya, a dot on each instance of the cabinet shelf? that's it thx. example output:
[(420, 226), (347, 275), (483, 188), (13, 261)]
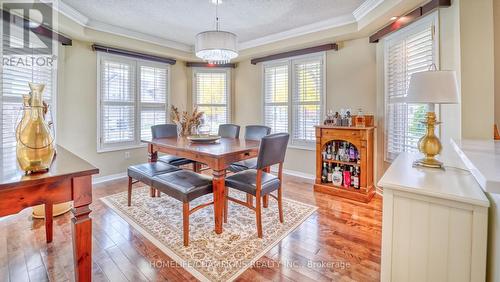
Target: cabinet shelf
[(341, 162)]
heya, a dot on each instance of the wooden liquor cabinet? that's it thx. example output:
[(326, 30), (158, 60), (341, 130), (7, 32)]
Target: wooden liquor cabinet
[(361, 138)]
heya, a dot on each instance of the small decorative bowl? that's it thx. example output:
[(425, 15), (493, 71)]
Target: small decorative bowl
[(203, 138)]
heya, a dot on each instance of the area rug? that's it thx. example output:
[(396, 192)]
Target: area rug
[(210, 256)]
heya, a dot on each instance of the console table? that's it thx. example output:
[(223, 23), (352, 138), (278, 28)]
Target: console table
[(69, 179), (434, 224)]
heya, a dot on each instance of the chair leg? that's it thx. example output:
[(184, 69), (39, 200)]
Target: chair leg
[(280, 204), (129, 202), (226, 204), (185, 223), (265, 201), (152, 192), (157, 193), (258, 217), (250, 199)]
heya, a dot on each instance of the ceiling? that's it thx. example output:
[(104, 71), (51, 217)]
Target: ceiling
[(176, 22)]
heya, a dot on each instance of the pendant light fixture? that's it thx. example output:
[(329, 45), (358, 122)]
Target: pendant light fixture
[(216, 46)]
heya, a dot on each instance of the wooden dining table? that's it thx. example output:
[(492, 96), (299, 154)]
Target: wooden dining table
[(217, 156), (69, 178)]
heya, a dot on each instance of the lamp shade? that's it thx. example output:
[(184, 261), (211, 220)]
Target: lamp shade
[(433, 87), (218, 47)]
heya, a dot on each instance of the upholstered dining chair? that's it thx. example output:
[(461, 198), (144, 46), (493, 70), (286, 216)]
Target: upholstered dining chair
[(252, 132), (229, 131), (166, 131), (259, 183)]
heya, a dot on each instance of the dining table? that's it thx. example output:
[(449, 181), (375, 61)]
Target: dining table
[(218, 156)]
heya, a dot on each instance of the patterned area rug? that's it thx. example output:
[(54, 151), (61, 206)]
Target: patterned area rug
[(209, 257)]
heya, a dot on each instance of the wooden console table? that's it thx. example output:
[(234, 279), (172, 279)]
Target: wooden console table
[(69, 179)]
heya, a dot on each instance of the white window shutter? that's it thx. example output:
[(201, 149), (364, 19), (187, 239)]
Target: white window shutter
[(14, 85), (153, 97), (212, 96), (118, 102), (406, 52), (276, 97), (306, 99)]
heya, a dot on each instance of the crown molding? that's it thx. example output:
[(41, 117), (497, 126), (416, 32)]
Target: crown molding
[(296, 32), (365, 8), (71, 13)]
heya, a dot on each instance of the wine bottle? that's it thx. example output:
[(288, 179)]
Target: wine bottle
[(347, 178), (352, 153), (324, 174), (330, 173), (337, 177), (355, 178)]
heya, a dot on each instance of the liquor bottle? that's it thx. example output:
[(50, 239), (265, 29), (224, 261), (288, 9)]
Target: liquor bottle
[(329, 152), (352, 153), (330, 173), (348, 118), (355, 178), (337, 177), (324, 174), (360, 119), (347, 178), (341, 152)]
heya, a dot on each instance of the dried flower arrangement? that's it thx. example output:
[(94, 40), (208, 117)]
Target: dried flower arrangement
[(186, 122)]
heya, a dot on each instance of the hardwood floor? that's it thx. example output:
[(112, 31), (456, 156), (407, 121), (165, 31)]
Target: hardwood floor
[(340, 242)]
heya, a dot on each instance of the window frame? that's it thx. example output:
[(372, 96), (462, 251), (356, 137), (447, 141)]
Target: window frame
[(433, 20), (136, 66), (228, 73), (291, 62)]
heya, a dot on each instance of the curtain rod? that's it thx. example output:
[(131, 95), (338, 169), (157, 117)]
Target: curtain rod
[(133, 54)]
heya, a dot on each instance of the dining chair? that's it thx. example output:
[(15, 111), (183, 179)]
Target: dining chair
[(229, 131), (252, 132), (259, 183), (185, 186), (166, 131)]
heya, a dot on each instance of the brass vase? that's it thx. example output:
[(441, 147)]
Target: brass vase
[(35, 144)]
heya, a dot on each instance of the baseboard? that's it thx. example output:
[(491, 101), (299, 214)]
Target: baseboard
[(295, 173), (101, 179)]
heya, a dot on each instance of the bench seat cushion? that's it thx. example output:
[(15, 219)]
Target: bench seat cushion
[(183, 185), (174, 160), (243, 165), (145, 172)]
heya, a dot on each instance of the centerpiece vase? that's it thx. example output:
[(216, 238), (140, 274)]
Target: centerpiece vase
[(35, 147)]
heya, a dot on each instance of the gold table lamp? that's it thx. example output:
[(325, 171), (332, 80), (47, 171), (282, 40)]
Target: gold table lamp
[(431, 87)]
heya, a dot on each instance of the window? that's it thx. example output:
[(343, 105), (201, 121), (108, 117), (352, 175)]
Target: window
[(413, 49), (212, 96), (14, 84), (132, 97), (294, 97)]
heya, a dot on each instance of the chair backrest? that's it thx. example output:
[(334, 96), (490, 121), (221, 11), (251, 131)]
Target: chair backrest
[(229, 130), (272, 150), (256, 132), (164, 130)]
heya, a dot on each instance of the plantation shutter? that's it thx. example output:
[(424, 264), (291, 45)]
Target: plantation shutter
[(15, 78), (153, 96), (211, 96), (407, 52), (276, 97), (118, 113), (306, 99)]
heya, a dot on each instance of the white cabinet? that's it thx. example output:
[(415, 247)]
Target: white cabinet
[(434, 224)]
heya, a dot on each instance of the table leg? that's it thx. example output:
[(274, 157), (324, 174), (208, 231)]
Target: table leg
[(82, 228), (48, 222), (218, 182), (152, 157)]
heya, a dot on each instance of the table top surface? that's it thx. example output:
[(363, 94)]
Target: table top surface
[(482, 157), (65, 164), (451, 183), (223, 147)]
